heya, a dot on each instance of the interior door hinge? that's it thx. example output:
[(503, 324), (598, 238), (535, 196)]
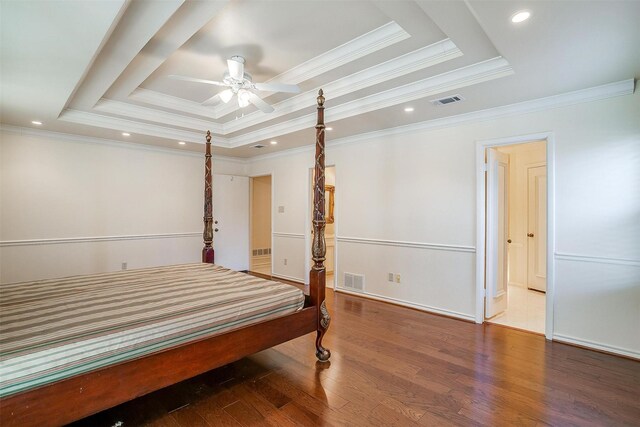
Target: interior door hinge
[(484, 167)]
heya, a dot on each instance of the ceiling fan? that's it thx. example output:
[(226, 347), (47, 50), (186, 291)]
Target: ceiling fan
[(240, 84)]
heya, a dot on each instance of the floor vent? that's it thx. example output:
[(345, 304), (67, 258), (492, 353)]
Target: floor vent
[(354, 282), (447, 100), (260, 252)]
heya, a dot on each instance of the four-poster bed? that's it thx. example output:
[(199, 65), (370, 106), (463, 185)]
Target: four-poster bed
[(72, 392)]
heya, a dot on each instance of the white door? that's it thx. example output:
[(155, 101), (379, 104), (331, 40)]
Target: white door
[(497, 232), (537, 228), (231, 211)]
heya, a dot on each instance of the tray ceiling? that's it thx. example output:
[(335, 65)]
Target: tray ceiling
[(101, 68)]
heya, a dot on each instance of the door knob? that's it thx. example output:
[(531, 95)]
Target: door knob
[(530, 234), (509, 241)]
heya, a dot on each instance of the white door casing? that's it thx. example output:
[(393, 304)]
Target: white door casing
[(231, 211), (497, 232), (537, 228)]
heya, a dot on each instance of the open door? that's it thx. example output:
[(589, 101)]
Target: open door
[(537, 228), (231, 226), (496, 279)]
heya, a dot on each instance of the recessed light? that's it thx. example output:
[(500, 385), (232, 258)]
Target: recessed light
[(408, 109), (125, 134), (274, 142), (181, 142), (521, 16), (329, 128), (35, 122)]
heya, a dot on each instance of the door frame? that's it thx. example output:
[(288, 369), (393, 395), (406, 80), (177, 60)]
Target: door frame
[(481, 147), (251, 177), (307, 233)]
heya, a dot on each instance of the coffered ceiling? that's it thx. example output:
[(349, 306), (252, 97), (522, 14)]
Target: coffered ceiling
[(101, 68)]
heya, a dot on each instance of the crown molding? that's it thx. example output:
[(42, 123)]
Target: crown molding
[(109, 122), (363, 45), (158, 99), (416, 60), (18, 130), (611, 90), (373, 41), (461, 77), (157, 116)]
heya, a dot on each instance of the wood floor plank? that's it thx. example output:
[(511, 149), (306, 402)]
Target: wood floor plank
[(396, 366)]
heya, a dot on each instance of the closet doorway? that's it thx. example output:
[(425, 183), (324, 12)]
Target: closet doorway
[(260, 217), (330, 228), (514, 229)]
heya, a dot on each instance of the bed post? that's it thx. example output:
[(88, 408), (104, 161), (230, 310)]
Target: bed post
[(207, 251), (317, 275)]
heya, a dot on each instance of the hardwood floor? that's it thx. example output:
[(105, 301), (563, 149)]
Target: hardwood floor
[(396, 366)]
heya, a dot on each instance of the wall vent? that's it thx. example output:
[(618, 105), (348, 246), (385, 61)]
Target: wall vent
[(354, 282), (258, 146), (447, 100)]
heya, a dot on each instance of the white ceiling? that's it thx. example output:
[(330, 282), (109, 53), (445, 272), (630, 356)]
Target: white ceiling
[(100, 68)]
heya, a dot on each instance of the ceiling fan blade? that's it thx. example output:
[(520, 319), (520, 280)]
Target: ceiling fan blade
[(277, 87), (214, 100), (236, 67), (258, 102), (194, 80)]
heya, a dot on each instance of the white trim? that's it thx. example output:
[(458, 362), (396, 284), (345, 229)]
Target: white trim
[(596, 345), (72, 137), (597, 259), (284, 276), (157, 116), (373, 41), (480, 221), (419, 59), (421, 307), (109, 122), (60, 240), (624, 87), (288, 235), (466, 76), (404, 244)]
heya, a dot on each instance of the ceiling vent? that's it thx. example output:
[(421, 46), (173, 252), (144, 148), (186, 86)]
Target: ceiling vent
[(258, 146), (447, 100)]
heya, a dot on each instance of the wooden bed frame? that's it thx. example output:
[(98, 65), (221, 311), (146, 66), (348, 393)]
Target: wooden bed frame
[(77, 397)]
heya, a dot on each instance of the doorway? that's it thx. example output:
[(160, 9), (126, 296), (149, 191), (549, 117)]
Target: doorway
[(260, 235), (330, 227), (514, 252)]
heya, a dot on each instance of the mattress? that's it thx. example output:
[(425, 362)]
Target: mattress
[(55, 329)]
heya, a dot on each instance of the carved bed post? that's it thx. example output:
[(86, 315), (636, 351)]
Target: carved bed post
[(317, 275), (207, 251)]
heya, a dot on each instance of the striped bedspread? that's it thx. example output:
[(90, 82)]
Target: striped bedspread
[(54, 329)]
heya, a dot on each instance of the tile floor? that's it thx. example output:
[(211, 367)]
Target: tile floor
[(526, 310)]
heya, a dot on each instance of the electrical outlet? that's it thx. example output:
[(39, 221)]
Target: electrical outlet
[(397, 278), (285, 261), (124, 266), (390, 277)]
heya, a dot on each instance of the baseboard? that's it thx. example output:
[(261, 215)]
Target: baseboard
[(419, 307), (592, 345), (293, 279)]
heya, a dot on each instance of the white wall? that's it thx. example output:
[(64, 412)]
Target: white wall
[(406, 205), (73, 206)]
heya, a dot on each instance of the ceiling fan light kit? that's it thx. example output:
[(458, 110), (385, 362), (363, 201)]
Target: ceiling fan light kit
[(241, 85)]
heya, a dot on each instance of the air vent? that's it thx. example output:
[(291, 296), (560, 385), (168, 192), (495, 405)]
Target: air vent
[(447, 100), (354, 282), (258, 146)]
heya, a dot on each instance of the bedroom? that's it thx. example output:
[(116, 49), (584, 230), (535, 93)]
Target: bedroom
[(79, 196)]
